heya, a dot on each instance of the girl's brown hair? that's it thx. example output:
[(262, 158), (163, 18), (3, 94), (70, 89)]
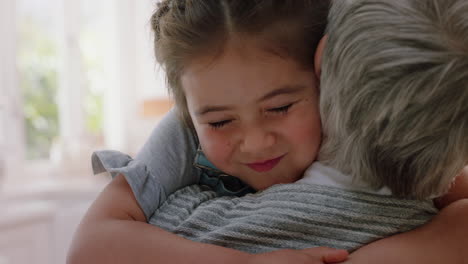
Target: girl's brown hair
[(188, 29)]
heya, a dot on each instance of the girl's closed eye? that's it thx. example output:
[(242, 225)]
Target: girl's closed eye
[(219, 124), (281, 110)]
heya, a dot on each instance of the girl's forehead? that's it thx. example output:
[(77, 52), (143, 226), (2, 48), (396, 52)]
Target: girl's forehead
[(241, 76), (238, 66), (247, 51)]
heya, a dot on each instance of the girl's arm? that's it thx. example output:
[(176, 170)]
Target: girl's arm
[(443, 240), (115, 226), (458, 190), (163, 165), (114, 230)]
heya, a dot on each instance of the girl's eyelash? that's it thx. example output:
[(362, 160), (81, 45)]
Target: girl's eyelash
[(282, 109), (219, 124)]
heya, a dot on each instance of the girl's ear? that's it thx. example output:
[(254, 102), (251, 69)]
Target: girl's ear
[(318, 56)]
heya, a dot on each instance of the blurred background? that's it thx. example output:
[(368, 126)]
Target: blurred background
[(75, 76)]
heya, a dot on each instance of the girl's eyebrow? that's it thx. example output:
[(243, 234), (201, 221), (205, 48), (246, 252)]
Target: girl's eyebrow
[(286, 89), (212, 108)]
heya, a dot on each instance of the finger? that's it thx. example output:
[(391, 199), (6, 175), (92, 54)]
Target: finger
[(326, 254), (335, 256)]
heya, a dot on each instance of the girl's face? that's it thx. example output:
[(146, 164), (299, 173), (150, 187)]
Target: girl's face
[(256, 114)]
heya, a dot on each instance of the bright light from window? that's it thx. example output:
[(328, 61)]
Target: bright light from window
[(93, 42), (39, 51), (37, 66)]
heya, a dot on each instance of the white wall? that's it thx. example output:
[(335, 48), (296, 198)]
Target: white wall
[(38, 227)]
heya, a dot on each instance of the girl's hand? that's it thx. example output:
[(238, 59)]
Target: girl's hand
[(458, 190), (317, 255)]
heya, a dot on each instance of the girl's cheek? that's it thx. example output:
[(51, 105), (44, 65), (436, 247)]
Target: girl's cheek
[(216, 146)]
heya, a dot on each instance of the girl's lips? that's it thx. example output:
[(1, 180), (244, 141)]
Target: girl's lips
[(265, 166)]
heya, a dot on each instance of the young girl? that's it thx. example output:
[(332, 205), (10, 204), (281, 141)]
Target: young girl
[(117, 205)]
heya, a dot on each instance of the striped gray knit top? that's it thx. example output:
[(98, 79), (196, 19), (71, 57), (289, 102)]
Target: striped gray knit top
[(293, 216)]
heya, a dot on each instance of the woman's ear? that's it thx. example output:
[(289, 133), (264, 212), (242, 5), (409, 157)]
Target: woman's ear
[(318, 56)]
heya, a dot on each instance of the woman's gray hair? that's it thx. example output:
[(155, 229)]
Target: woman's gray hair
[(394, 93)]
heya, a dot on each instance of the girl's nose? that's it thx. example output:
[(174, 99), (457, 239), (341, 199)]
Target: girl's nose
[(257, 140)]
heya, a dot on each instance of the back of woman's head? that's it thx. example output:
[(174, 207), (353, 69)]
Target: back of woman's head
[(394, 93), (185, 30)]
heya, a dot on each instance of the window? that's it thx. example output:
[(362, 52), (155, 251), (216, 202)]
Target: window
[(75, 74), (38, 64)]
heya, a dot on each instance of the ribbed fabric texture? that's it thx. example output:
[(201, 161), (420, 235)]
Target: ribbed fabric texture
[(293, 216)]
